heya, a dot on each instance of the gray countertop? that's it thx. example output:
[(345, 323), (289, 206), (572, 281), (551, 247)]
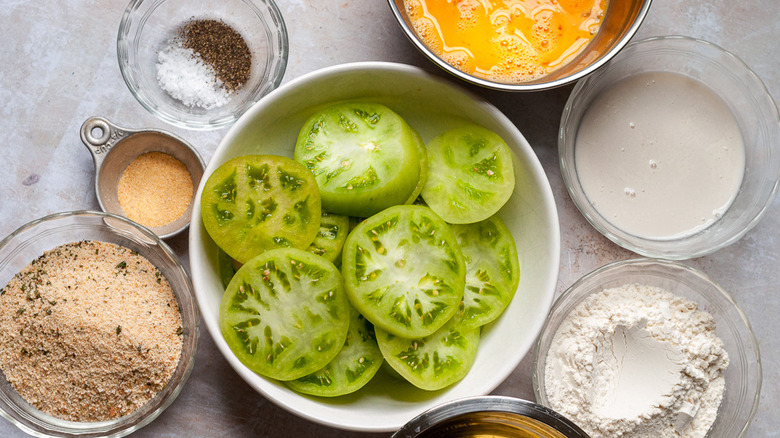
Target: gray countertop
[(58, 68)]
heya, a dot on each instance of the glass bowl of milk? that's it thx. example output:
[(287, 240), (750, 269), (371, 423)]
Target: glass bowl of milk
[(672, 149)]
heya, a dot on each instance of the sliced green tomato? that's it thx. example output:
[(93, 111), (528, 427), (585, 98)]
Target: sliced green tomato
[(492, 270), (435, 361), (404, 271), (470, 176), (364, 156), (254, 203), (423, 154), (353, 222), (330, 239), (285, 313), (390, 371), (226, 266), (419, 201), (351, 369)]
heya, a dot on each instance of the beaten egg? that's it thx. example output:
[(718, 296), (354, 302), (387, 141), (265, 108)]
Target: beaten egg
[(509, 41)]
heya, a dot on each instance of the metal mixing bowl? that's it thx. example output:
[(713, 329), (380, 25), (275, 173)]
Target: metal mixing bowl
[(495, 416), (620, 23)]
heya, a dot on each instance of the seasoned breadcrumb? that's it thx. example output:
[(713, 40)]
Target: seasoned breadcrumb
[(89, 331)]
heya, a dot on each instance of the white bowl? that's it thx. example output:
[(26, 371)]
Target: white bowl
[(431, 105)]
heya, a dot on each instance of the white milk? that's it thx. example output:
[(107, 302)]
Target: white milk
[(659, 155)]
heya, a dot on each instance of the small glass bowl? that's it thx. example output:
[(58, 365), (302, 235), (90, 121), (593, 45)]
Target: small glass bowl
[(751, 105), (33, 239), (147, 27), (742, 376)]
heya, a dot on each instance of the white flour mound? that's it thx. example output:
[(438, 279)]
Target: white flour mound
[(637, 361)]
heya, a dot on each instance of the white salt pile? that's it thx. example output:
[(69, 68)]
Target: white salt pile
[(186, 77)]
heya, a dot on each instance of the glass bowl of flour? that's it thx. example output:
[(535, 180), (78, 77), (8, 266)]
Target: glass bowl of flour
[(201, 64), (648, 347), (672, 149)]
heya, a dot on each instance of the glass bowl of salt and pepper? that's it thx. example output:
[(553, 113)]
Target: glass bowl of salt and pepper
[(201, 64)]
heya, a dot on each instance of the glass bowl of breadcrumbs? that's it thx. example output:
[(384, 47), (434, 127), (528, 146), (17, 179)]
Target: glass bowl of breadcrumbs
[(98, 326)]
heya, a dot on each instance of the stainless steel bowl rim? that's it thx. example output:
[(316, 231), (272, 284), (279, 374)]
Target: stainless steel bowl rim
[(521, 87), (113, 135), (490, 403)]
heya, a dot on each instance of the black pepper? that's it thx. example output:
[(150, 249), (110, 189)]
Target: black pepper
[(220, 46)]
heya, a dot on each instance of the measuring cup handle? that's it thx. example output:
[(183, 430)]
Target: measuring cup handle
[(99, 136)]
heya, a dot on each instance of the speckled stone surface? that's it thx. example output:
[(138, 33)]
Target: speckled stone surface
[(58, 67)]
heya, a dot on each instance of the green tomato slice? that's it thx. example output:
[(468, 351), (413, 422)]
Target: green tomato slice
[(423, 154), (390, 371), (364, 156), (285, 313), (492, 270), (471, 174), (227, 268), (354, 366), (254, 203), (432, 362), (330, 238), (404, 271)]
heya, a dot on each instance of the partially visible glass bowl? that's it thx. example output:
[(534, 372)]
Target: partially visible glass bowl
[(743, 375), (148, 25), (28, 243), (749, 101)]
